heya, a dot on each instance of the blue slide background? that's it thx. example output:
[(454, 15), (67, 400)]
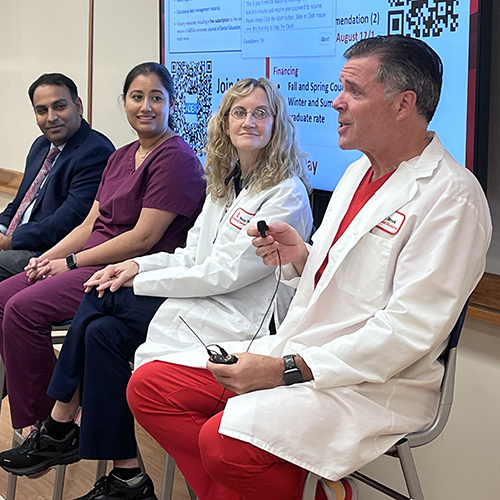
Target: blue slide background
[(210, 44)]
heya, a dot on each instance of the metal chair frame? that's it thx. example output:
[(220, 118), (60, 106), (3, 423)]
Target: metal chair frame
[(402, 449), (167, 484)]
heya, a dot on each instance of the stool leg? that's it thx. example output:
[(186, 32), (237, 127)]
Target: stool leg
[(101, 469), (17, 439), (192, 495), (309, 491), (141, 461), (167, 484), (409, 471), (59, 482), (11, 487)]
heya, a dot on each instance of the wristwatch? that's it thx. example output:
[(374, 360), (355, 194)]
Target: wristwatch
[(292, 374), (71, 261)]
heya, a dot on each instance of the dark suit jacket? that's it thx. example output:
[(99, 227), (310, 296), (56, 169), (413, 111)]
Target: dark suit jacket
[(67, 193)]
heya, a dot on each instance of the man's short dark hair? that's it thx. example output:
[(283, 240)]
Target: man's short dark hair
[(405, 64), (54, 79)]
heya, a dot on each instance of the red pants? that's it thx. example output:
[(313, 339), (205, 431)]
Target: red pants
[(178, 406)]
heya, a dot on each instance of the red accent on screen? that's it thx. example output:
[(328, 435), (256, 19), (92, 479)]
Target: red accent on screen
[(471, 120), (162, 35), (268, 67), (471, 89)]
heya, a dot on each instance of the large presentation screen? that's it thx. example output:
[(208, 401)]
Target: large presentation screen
[(298, 44)]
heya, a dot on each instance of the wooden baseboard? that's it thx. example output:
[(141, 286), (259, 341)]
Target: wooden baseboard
[(10, 180), (485, 300), (483, 314)]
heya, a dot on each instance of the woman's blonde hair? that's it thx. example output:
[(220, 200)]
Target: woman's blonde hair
[(282, 159)]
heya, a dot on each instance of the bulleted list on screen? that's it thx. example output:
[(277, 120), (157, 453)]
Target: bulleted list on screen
[(257, 28), (204, 26)]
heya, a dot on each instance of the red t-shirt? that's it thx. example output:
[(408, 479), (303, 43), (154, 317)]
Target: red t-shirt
[(364, 192)]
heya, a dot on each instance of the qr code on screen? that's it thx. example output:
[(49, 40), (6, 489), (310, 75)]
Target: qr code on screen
[(422, 18), (193, 86)]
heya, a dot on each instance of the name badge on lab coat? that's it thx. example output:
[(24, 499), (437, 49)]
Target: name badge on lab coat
[(240, 218), (393, 223)]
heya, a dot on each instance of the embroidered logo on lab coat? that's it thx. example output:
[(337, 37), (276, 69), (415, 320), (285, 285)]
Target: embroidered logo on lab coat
[(240, 218), (393, 223)]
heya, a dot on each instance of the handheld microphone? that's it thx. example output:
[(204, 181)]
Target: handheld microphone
[(262, 227)]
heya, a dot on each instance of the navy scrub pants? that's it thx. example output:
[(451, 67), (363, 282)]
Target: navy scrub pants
[(97, 355)]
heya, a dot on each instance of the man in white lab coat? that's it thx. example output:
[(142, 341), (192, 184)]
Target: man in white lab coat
[(353, 367)]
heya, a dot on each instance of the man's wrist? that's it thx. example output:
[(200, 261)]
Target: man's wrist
[(291, 373), (5, 242)]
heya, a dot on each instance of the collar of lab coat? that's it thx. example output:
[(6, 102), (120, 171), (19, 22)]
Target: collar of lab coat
[(399, 189)]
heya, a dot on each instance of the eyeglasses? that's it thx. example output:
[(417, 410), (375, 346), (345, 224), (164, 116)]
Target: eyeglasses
[(259, 113)]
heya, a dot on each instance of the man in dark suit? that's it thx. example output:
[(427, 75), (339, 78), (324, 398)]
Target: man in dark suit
[(57, 189)]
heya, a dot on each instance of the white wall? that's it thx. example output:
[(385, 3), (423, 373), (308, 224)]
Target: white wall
[(126, 34), (36, 37), (40, 35)]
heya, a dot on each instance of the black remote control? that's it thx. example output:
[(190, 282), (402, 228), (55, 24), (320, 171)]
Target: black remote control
[(262, 227)]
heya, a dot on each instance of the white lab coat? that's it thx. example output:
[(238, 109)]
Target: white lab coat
[(374, 326), (217, 283)]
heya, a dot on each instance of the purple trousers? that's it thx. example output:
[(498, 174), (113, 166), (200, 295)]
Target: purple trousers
[(27, 313)]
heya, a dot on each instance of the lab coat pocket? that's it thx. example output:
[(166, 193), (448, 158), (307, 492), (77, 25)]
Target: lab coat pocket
[(363, 273), (227, 235)]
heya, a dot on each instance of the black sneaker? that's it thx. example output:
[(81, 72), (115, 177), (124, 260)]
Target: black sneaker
[(110, 487), (38, 452)]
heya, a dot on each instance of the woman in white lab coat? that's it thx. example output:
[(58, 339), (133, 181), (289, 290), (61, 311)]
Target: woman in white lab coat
[(217, 284)]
